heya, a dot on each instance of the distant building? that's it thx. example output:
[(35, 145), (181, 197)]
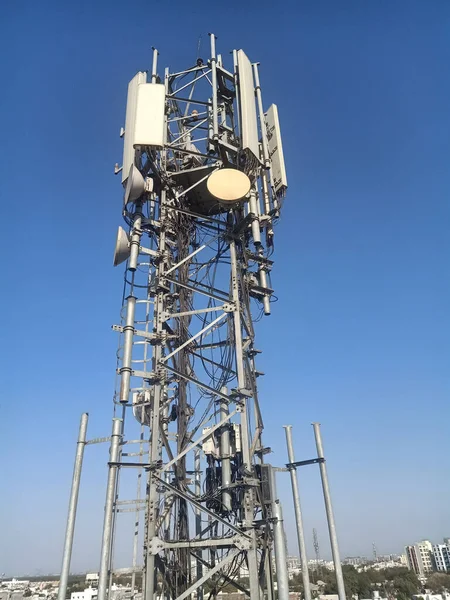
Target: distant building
[(380, 565), (293, 562), (92, 578), (420, 558), (294, 566), (354, 560), (441, 554), (88, 594), (15, 584), (317, 564)]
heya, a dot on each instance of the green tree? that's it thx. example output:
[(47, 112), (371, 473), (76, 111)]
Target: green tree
[(75, 587), (439, 583), (404, 587)]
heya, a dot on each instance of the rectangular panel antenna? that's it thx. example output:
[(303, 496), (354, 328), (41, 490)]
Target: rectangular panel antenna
[(249, 123), (130, 119), (276, 150), (149, 124)]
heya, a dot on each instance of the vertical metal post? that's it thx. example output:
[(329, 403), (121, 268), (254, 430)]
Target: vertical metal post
[(198, 521), (128, 332), (137, 513), (279, 540), (253, 206), (73, 502), (154, 64), (330, 516), (109, 507), (298, 514), (148, 578), (268, 574), (249, 502), (266, 196), (262, 120), (214, 88), (136, 235), (225, 454)]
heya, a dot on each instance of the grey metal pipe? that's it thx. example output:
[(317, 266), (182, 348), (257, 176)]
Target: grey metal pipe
[(214, 88), (262, 120), (279, 540), (109, 508), (246, 458), (330, 515), (268, 575), (253, 205), (263, 283), (136, 235), (236, 87), (198, 521), (73, 503), (128, 332), (298, 514), (265, 190), (154, 64), (225, 454), (137, 513)]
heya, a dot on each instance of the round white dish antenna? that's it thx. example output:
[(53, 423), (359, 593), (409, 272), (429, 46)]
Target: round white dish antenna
[(228, 185)]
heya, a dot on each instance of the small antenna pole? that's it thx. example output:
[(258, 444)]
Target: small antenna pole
[(73, 503), (330, 515)]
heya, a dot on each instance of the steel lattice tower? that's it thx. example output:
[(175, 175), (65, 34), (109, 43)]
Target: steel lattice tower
[(204, 179)]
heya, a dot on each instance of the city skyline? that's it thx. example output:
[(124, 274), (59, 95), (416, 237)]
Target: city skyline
[(359, 261)]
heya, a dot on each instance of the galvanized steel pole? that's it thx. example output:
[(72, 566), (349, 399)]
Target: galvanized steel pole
[(198, 520), (73, 502), (109, 507), (330, 516), (298, 513), (279, 540)]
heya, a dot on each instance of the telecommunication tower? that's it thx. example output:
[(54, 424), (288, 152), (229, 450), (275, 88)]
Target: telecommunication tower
[(204, 180), (374, 552), (316, 552)]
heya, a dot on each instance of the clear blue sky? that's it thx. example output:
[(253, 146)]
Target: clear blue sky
[(359, 339)]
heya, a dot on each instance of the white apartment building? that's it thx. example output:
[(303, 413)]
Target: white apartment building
[(88, 594), (441, 554), (420, 558)]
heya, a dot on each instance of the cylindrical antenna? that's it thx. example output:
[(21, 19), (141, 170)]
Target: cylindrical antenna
[(155, 65)]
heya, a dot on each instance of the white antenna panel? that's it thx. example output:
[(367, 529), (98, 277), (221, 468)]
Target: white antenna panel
[(249, 123), (130, 119), (149, 124), (276, 150)]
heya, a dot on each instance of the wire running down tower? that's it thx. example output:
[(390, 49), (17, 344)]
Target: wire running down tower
[(204, 180)]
